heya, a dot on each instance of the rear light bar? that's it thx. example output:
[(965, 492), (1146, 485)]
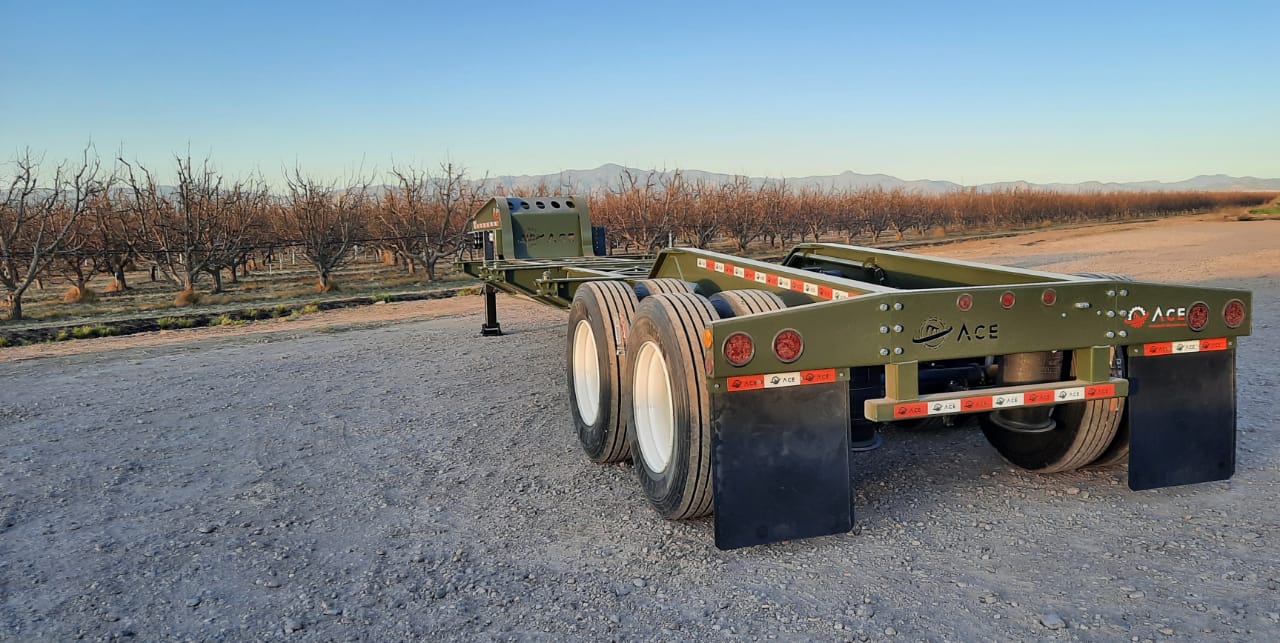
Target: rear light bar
[(1010, 397)]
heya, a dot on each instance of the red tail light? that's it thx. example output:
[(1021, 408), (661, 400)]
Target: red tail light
[(1198, 316), (964, 302), (1049, 297), (788, 345), (1233, 313), (1006, 300), (739, 349)]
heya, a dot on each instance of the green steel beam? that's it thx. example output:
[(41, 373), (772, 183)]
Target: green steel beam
[(913, 271)]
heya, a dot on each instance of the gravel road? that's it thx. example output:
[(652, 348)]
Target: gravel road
[(405, 478)]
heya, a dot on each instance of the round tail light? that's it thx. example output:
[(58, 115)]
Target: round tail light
[(739, 349), (788, 345), (1198, 316), (1233, 313), (964, 302), (1049, 297), (1006, 300)]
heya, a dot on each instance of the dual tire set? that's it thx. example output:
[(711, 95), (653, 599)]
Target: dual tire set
[(637, 380)]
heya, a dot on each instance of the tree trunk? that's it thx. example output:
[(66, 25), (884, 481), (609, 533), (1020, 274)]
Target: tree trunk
[(15, 307), (120, 285), (235, 277), (430, 265), (325, 282), (216, 273)]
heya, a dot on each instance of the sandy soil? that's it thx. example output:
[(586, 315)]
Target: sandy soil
[(384, 473)]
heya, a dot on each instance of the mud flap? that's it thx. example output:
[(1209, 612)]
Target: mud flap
[(780, 464), (1181, 415)]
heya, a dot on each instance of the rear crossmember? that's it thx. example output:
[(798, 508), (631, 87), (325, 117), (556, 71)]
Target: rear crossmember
[(773, 376)]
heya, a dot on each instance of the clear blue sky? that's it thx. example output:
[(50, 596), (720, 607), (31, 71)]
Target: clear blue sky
[(970, 92)]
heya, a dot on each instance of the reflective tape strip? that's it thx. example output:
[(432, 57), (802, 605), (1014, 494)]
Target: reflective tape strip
[(1190, 346), (781, 380), (979, 403), (750, 274)]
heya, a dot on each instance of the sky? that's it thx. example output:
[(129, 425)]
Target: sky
[(960, 91)]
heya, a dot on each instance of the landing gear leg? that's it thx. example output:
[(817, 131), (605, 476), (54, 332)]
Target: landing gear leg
[(490, 328)]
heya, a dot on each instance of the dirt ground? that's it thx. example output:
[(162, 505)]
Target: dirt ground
[(385, 473)]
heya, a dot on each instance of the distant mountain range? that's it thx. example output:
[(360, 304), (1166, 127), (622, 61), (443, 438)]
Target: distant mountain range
[(610, 175)]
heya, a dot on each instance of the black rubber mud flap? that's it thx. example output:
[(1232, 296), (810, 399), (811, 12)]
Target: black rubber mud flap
[(780, 464), (1181, 415)]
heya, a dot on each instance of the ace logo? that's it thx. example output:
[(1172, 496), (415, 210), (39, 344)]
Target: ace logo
[(1170, 317), (934, 331)]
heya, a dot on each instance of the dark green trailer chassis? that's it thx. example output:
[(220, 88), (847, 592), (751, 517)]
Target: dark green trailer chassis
[(863, 336)]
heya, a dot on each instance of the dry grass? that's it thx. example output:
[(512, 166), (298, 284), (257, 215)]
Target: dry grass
[(74, 295), (263, 290), (188, 297)]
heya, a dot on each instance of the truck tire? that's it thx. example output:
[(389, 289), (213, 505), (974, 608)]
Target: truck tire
[(667, 404), (598, 321), (739, 303), (664, 286), (1118, 451), (1084, 432)]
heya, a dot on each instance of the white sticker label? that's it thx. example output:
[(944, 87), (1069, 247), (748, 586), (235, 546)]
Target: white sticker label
[(810, 289), (1192, 346), (1010, 399), (738, 271), (839, 294), (778, 380), (702, 263), (783, 282), (944, 406), (762, 278), (1069, 394), (719, 267)]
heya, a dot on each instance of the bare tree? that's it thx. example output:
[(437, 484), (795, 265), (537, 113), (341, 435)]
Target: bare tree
[(326, 220), (698, 208), (403, 215), (636, 205), (811, 212), (36, 220), (187, 230), (241, 223), (749, 213), (453, 199), (102, 241)]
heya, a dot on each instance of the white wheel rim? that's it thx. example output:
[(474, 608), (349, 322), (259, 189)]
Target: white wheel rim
[(586, 373), (652, 409)]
